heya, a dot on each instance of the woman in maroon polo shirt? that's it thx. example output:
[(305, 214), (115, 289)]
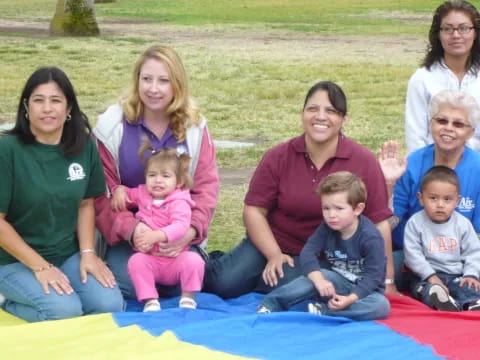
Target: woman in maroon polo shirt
[(281, 210)]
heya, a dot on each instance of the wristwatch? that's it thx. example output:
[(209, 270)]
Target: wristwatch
[(389, 281)]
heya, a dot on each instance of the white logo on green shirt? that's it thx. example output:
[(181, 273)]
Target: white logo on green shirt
[(76, 172)]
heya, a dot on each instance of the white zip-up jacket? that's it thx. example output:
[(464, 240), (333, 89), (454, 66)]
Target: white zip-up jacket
[(422, 86)]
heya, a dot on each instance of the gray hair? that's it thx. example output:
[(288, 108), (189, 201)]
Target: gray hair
[(457, 99)]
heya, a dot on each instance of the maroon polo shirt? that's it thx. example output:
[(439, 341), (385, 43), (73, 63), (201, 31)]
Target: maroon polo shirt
[(285, 181)]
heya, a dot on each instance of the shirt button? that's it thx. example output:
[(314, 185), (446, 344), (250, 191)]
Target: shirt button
[(313, 180)]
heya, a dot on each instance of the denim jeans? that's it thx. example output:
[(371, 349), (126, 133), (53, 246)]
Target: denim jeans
[(463, 295), (26, 299), (240, 271), (117, 260), (372, 307), (403, 276)]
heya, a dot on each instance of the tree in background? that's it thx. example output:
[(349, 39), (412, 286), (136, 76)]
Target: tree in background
[(74, 17)]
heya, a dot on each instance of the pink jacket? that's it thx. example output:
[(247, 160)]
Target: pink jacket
[(172, 216), (118, 226)]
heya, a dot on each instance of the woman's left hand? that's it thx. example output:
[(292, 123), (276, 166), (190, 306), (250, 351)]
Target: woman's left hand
[(91, 263), (172, 249), (393, 166)]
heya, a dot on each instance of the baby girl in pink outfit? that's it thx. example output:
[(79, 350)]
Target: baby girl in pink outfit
[(164, 204)]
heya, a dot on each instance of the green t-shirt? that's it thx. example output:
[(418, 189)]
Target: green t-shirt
[(41, 191)]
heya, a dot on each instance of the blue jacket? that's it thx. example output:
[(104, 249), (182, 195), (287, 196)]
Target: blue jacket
[(405, 201)]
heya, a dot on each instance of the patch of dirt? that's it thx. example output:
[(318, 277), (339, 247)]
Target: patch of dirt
[(235, 176), (211, 34), (395, 15)]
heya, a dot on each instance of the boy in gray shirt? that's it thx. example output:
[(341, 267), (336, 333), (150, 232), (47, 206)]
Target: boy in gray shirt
[(441, 246)]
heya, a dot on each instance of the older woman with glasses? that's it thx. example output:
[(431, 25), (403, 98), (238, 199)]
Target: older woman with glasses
[(452, 62), (454, 115)]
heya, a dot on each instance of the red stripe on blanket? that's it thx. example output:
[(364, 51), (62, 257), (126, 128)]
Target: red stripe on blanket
[(452, 335)]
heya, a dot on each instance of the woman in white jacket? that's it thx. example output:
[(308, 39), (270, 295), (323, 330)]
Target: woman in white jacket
[(452, 62)]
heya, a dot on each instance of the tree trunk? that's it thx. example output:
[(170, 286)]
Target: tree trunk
[(74, 17)]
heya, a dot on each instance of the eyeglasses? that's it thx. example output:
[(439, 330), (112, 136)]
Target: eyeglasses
[(462, 29), (456, 124)]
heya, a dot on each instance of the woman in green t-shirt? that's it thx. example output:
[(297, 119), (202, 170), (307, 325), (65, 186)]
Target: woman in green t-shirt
[(51, 173)]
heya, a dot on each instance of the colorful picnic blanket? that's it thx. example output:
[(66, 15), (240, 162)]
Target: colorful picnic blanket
[(230, 329)]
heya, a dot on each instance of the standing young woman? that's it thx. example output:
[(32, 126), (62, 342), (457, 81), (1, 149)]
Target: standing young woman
[(51, 173), (158, 107), (452, 62)]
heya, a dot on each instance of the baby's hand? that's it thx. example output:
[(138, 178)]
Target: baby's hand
[(148, 239), (325, 288), (340, 302), (120, 199), (470, 282)]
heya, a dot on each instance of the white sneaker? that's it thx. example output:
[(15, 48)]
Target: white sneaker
[(152, 305), (441, 300), (187, 303), (262, 309), (474, 305), (316, 308)]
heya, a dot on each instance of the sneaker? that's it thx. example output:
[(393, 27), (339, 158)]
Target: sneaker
[(152, 305), (262, 309), (474, 305), (187, 303), (440, 299), (316, 308)]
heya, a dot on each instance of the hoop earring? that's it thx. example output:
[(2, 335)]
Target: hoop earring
[(26, 115), (68, 118)]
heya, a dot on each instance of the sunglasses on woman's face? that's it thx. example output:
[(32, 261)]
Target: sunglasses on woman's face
[(455, 123)]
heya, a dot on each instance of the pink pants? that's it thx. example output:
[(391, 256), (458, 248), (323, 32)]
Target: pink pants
[(146, 270)]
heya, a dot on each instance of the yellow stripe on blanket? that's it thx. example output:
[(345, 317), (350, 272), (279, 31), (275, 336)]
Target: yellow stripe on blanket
[(93, 337), (6, 319)]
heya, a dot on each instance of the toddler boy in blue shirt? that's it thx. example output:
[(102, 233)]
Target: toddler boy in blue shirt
[(349, 281)]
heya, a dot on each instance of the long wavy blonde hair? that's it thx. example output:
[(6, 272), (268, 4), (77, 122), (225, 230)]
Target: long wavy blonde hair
[(182, 110)]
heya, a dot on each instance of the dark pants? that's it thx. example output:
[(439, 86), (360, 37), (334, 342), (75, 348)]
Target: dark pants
[(240, 271)]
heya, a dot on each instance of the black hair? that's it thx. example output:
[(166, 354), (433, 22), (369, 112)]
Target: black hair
[(76, 129), (440, 173), (335, 95), (435, 50)]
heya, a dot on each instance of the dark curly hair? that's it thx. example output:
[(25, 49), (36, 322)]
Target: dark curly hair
[(435, 50)]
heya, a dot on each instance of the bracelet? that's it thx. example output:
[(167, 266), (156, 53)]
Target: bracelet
[(84, 251), (389, 281), (42, 268)]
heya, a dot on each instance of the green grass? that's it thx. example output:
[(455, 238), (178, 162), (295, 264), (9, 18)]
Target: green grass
[(250, 64), (368, 17)]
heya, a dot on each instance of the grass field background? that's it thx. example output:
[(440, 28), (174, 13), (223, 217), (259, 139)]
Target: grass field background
[(250, 64)]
